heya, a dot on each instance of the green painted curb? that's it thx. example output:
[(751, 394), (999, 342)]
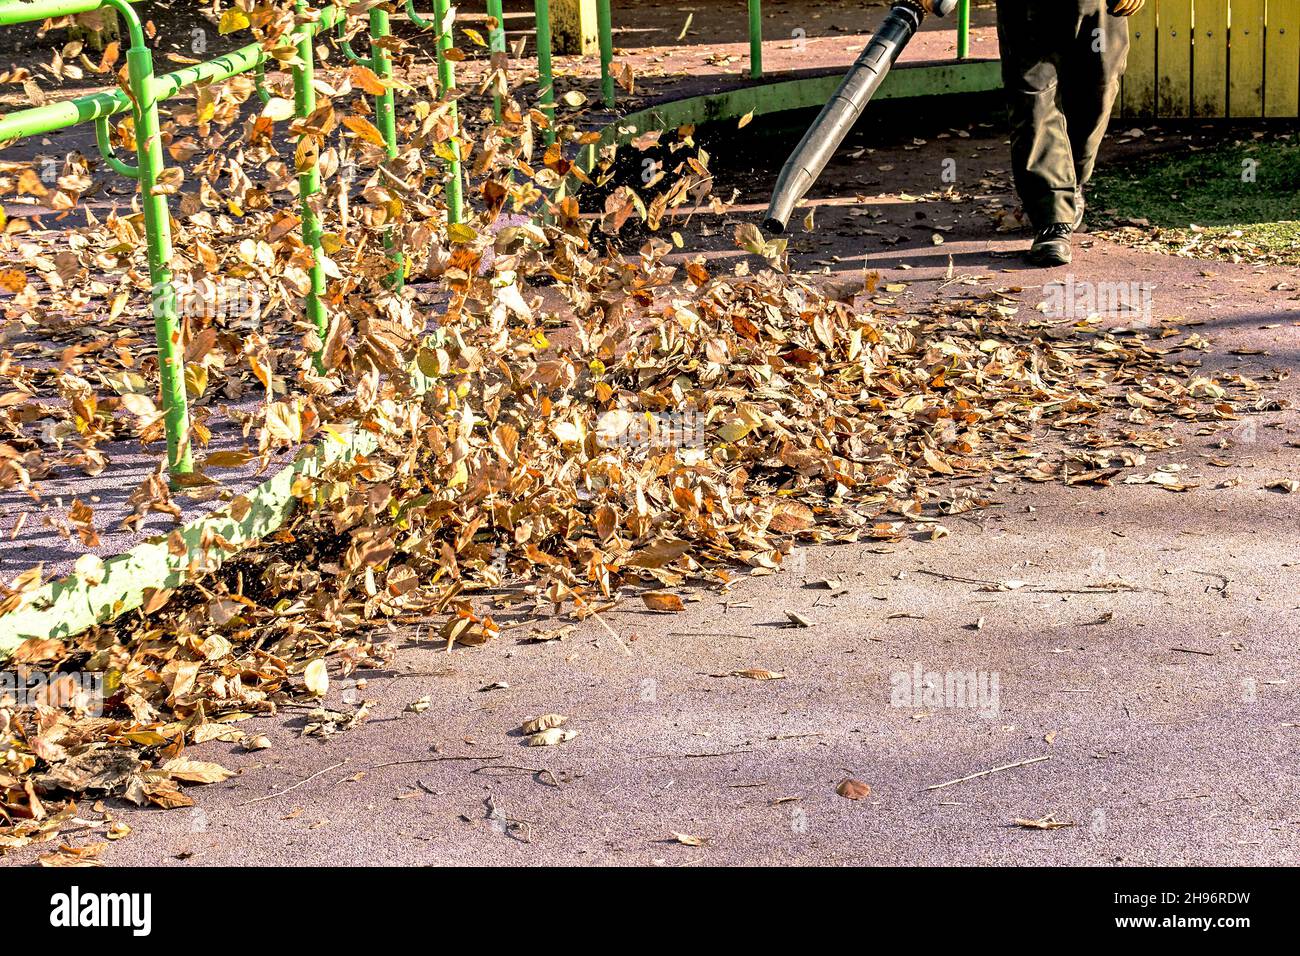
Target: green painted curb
[(66, 606), (972, 76)]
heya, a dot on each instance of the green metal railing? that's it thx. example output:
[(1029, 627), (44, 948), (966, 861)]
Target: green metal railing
[(545, 74), (146, 90)]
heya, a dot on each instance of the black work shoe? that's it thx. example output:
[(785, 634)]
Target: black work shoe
[(1079, 207), (1052, 245)]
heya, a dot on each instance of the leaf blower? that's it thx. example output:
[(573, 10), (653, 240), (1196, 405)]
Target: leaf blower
[(841, 113)]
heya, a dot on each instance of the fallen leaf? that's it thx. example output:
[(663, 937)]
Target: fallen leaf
[(551, 737), (196, 771), (317, 678), (662, 601), (853, 789), (754, 673), (544, 722), (1045, 823)]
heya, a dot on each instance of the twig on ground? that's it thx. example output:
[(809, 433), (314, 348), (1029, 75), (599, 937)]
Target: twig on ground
[(724, 753), (398, 763), (985, 773), (594, 612), (537, 771), (280, 793)]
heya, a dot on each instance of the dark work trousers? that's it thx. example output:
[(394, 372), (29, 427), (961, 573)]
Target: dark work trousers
[(1061, 64)]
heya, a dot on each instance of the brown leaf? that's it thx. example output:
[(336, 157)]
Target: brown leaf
[(1045, 823), (853, 789), (662, 601), (196, 771)]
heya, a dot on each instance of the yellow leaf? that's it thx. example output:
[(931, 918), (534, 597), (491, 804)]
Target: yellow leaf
[(459, 232), (232, 21), (227, 459), (316, 677), (196, 771), (734, 430)]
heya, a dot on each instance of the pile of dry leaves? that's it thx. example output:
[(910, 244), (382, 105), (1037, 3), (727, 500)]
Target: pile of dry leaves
[(581, 420)]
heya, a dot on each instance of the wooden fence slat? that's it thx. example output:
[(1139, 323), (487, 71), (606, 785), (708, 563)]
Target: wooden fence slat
[(1138, 93), (1246, 58), (1210, 59), (1175, 74), (1282, 59)]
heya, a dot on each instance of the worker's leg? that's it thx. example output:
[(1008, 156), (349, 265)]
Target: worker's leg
[(1033, 36), (1091, 72)]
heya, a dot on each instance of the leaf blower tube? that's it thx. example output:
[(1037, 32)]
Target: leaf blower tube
[(841, 113)]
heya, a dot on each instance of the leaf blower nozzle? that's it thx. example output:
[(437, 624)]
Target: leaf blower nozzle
[(842, 111)]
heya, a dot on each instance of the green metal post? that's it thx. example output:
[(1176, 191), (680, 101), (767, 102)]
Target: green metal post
[(756, 38), (304, 101), (963, 29), (158, 236), (496, 44), (385, 116), (447, 86), (385, 110), (545, 76), (605, 26)]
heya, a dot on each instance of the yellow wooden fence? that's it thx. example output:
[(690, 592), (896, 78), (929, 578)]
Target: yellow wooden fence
[(1214, 58)]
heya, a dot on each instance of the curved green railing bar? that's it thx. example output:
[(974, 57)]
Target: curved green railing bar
[(103, 139)]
